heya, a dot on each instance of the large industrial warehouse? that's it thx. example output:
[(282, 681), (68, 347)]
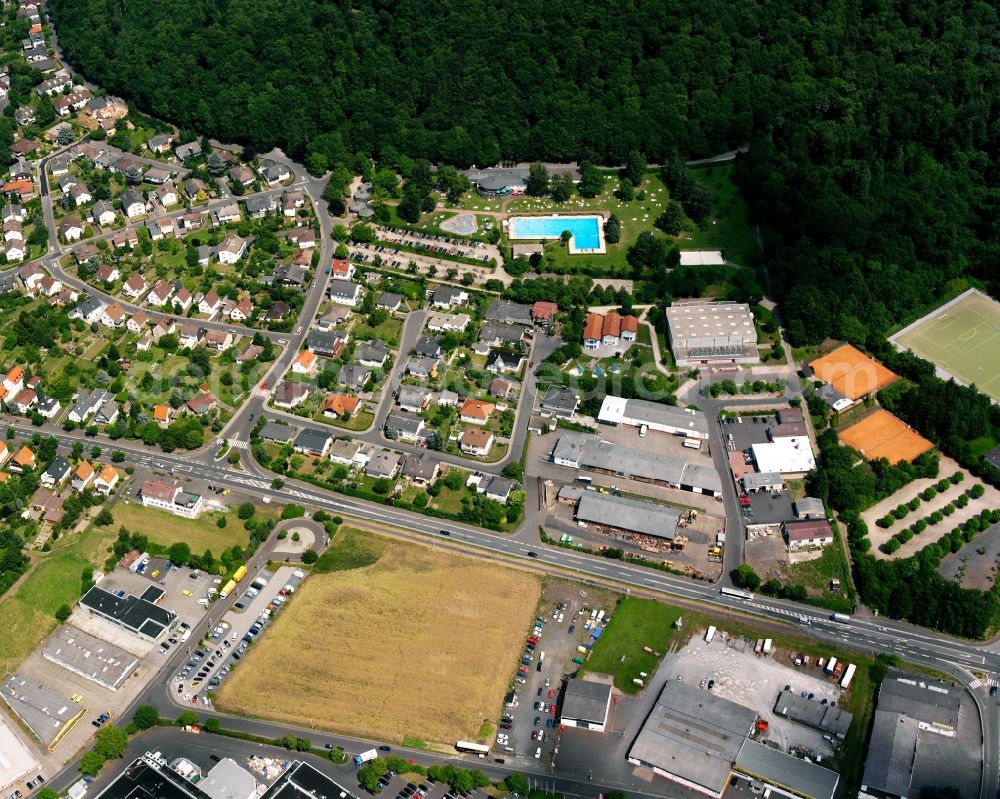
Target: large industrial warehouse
[(582, 451)]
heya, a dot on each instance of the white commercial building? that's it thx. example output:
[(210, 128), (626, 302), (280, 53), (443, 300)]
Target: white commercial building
[(705, 333), (789, 456), (655, 415), (586, 704), (17, 763)]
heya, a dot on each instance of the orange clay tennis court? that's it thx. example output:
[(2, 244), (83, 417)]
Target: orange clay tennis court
[(852, 373), (882, 435)]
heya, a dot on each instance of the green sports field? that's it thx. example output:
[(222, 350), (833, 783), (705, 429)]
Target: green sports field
[(961, 337)]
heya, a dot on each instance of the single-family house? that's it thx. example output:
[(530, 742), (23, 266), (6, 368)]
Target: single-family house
[(137, 322), (210, 303), (354, 377), (83, 476), (232, 249), (133, 205), (413, 398), (449, 297), (427, 347), (326, 343), (303, 237), (113, 316), (166, 194), (186, 151), (242, 175), (341, 269), (272, 171), (160, 294), (383, 466), (70, 229), (57, 471), (501, 388), (89, 310), (135, 286), (30, 276), (336, 406), (305, 363), (203, 403), (422, 368), (373, 353), (476, 441), (404, 426), (421, 470), (80, 194), (313, 442), (345, 292), (543, 312), (218, 340), (162, 414), (106, 273), (48, 407), (499, 361), (289, 395), (477, 411), (24, 459), (107, 480), (389, 301)]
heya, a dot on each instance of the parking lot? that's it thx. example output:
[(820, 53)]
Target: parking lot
[(529, 727), (258, 602), (428, 788), (755, 681)]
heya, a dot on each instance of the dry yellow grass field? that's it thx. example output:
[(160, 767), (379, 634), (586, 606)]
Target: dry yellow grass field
[(421, 644)]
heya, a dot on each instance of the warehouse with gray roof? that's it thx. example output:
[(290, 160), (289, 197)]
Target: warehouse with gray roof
[(582, 451), (586, 704), (692, 737), (909, 707), (49, 716), (624, 513), (828, 718), (783, 774), (90, 657)]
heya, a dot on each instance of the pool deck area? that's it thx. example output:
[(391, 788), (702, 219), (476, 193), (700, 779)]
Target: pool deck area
[(513, 234)]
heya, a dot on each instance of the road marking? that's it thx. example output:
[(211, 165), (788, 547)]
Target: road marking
[(244, 445)]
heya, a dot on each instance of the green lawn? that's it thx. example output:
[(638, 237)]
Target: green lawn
[(636, 623), (448, 500), (27, 615), (165, 529), (388, 331), (359, 421), (815, 576), (728, 228), (350, 549)]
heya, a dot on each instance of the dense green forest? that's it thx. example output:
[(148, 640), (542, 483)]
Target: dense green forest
[(872, 126)]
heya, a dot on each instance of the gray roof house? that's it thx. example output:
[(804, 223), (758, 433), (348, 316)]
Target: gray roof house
[(510, 313), (428, 347), (406, 426), (354, 377), (383, 466), (500, 361), (55, 472), (421, 469), (559, 401), (389, 301), (313, 442), (372, 353), (413, 398)]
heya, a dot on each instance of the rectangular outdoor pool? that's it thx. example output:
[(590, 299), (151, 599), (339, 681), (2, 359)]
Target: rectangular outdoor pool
[(586, 230)]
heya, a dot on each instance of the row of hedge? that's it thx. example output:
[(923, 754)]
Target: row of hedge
[(961, 534)]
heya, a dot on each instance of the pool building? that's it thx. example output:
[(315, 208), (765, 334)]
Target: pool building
[(586, 231)]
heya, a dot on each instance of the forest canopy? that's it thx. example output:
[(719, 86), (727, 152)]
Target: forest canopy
[(872, 126)]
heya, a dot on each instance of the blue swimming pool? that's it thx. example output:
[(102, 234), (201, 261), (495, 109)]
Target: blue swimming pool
[(586, 230)]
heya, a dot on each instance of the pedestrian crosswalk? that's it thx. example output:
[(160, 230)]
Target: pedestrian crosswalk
[(244, 445), (975, 684), (991, 682)]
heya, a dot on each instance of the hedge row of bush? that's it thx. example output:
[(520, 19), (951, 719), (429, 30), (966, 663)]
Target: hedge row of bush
[(962, 533), (903, 509)]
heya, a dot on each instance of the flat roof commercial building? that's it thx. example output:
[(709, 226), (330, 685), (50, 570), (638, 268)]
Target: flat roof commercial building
[(586, 704), (47, 714), (632, 515), (657, 416), (834, 720), (784, 774), (582, 451), (17, 762), (791, 456), (138, 615), (149, 777), (909, 706), (692, 737), (303, 781), (229, 780), (90, 657), (705, 333)]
